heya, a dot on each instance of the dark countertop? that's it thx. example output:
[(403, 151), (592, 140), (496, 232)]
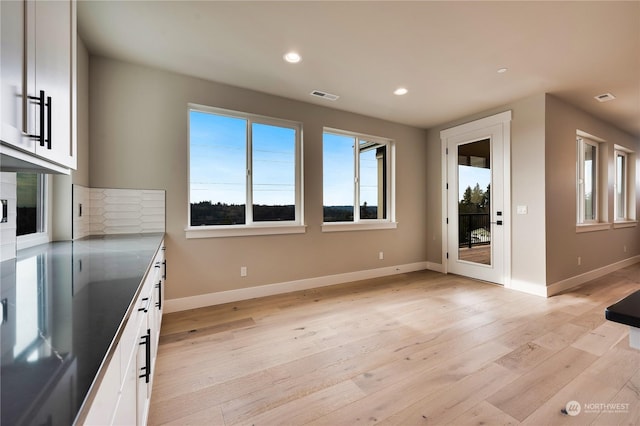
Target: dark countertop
[(626, 311), (63, 304)]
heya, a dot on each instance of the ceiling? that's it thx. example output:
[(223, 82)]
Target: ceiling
[(445, 53)]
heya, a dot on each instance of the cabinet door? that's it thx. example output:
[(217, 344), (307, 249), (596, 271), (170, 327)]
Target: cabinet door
[(143, 363), (54, 38), (126, 412), (12, 51)]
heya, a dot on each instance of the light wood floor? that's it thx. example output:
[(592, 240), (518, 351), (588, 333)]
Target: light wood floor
[(419, 348)]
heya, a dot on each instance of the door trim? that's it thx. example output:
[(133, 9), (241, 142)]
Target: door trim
[(503, 119)]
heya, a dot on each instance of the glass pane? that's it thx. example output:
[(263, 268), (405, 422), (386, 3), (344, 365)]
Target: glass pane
[(372, 180), (28, 203), (589, 182), (218, 169), (620, 187), (274, 173), (474, 202), (338, 177)]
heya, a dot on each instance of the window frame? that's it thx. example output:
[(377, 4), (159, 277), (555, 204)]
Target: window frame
[(250, 227), (43, 209), (618, 154), (629, 178), (580, 179), (359, 224)]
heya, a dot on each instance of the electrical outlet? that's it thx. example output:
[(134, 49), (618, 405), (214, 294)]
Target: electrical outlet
[(243, 271), (381, 255), (579, 261)]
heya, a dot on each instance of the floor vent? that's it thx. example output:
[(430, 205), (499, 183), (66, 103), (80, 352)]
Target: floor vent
[(605, 97), (324, 95)]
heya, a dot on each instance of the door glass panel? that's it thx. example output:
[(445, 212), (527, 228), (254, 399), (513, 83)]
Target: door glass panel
[(474, 202)]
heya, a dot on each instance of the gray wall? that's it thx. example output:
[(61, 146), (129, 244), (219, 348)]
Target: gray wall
[(138, 136), (564, 245), (545, 245), (527, 188)]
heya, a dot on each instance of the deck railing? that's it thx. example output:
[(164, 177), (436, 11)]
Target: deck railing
[(474, 229)]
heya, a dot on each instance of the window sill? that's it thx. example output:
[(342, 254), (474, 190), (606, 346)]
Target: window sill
[(592, 227), (31, 240), (625, 224), (242, 231), (361, 226)]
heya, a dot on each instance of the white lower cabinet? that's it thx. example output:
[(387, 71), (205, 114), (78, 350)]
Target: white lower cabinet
[(124, 393)]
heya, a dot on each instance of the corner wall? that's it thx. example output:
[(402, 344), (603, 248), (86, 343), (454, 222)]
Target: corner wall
[(527, 188), (138, 135), (598, 249)]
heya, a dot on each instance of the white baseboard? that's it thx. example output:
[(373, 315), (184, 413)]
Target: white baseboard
[(210, 299), (437, 267), (569, 283), (527, 287)]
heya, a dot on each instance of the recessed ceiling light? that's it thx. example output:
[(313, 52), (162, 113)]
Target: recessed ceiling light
[(502, 70), (400, 91), (292, 57)]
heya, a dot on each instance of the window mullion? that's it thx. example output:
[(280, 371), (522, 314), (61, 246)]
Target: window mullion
[(249, 195), (356, 180)]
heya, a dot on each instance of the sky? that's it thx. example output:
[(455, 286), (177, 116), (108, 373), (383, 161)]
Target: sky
[(218, 164), (469, 176), (218, 161)]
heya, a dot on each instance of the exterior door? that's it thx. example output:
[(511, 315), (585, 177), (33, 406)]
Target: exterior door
[(477, 201)]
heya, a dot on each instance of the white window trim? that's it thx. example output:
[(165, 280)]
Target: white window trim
[(251, 228), (580, 220), (368, 224), (44, 237), (629, 219), (242, 230), (592, 227)]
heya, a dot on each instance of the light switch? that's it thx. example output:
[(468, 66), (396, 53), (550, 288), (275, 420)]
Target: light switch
[(521, 209)]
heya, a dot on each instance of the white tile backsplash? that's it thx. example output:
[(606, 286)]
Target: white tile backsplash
[(119, 211), (9, 228)]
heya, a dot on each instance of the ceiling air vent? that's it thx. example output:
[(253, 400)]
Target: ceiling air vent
[(324, 95), (604, 97)]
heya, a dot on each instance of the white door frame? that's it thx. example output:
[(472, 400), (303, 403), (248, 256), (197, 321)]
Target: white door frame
[(503, 120)]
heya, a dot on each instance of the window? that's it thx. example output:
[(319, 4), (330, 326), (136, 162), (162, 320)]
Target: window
[(587, 181), (31, 203), (357, 181), (30, 200), (244, 172), (624, 186), (620, 186)]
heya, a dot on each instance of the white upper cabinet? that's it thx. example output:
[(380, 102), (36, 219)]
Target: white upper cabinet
[(39, 84)]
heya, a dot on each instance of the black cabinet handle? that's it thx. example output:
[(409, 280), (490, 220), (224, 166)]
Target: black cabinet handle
[(49, 106), (164, 273), (146, 340), (144, 308), (159, 287), (41, 103)]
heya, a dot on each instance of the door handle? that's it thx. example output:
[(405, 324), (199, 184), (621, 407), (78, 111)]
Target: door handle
[(497, 222)]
